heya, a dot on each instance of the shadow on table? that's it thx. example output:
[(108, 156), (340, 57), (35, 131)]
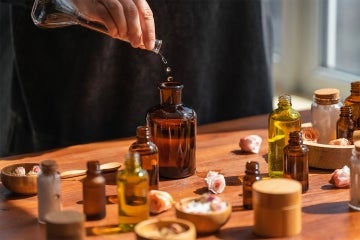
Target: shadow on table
[(235, 233), (327, 208)]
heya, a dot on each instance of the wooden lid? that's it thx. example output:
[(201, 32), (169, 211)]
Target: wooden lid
[(65, 225), (277, 193), (327, 96)]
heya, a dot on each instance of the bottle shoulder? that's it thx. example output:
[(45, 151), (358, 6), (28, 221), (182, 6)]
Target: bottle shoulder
[(288, 114)]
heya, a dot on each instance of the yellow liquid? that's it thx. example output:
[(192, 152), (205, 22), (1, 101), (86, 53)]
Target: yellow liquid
[(279, 131), (133, 200)]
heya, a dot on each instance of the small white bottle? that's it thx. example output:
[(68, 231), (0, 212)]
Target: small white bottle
[(325, 111), (355, 178), (48, 189)]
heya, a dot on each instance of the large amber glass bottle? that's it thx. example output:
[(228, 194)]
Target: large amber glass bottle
[(282, 121), (133, 193), (173, 129), (353, 100)]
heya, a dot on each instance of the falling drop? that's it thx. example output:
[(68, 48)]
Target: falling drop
[(169, 78), (168, 70)]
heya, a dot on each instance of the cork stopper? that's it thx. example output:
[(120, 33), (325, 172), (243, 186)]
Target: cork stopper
[(357, 145), (327, 96), (65, 225), (48, 166)]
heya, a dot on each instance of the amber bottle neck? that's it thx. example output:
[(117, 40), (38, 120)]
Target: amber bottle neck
[(170, 93)]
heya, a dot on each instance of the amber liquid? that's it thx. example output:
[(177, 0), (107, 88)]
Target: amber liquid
[(175, 139), (278, 138), (149, 162)]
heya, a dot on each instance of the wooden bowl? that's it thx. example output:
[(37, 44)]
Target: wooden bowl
[(327, 156), (24, 185), (205, 223), (155, 228)]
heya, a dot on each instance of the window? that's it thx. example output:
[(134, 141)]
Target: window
[(316, 45)]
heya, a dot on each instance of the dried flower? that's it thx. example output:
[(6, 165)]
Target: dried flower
[(310, 134), (215, 182), (340, 142)]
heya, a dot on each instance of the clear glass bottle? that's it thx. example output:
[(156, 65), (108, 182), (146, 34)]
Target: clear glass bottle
[(296, 163), (282, 121), (353, 100), (355, 178), (48, 189), (149, 154), (325, 111), (94, 198), (345, 124), (173, 129), (63, 13), (252, 175), (133, 193)]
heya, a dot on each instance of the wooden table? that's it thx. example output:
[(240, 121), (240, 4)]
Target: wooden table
[(325, 212)]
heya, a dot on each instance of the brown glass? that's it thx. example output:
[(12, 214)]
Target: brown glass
[(296, 163), (149, 154), (94, 198), (353, 100), (345, 124), (173, 129), (252, 175)]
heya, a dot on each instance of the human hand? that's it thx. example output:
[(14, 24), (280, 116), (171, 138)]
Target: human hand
[(128, 20)]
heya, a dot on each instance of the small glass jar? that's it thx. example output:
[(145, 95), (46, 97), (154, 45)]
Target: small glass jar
[(325, 111), (173, 129), (49, 189)]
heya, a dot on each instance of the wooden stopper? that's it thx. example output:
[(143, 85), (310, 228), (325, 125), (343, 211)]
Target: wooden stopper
[(277, 207), (65, 225)]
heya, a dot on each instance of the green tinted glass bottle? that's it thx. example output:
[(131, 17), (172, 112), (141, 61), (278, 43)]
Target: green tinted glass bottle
[(133, 192), (282, 121)]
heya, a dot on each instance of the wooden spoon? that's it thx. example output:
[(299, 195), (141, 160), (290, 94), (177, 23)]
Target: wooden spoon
[(106, 167)]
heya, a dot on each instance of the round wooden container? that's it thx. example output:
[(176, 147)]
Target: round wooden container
[(277, 207), (327, 156), (65, 225)]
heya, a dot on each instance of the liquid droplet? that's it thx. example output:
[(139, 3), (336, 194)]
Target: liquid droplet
[(169, 79), (168, 70)]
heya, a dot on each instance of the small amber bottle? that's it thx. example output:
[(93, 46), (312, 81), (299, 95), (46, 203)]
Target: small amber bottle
[(345, 124), (353, 100), (282, 121), (133, 193), (149, 154), (252, 175), (296, 163), (94, 192)]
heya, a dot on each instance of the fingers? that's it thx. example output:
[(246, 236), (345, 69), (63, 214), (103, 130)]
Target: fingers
[(147, 23), (130, 20), (133, 22), (114, 18)]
